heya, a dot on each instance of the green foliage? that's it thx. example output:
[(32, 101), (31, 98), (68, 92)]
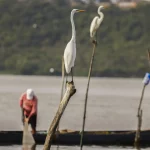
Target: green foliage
[(34, 33)]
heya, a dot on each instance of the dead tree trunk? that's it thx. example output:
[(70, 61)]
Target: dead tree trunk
[(70, 91)]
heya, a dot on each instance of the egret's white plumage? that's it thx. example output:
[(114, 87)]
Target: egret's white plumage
[(96, 22), (70, 50), (70, 55)]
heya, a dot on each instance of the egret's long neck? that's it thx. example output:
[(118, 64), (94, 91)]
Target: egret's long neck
[(73, 27), (101, 15)]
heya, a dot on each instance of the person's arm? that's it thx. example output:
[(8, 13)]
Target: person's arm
[(21, 101), (34, 108), (22, 110)]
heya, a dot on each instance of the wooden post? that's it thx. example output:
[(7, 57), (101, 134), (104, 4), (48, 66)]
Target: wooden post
[(139, 116), (70, 91), (137, 137), (86, 96)]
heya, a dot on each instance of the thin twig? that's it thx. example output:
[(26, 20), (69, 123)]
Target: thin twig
[(86, 96), (141, 99), (139, 116)]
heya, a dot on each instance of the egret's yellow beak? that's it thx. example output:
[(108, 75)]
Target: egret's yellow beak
[(80, 10)]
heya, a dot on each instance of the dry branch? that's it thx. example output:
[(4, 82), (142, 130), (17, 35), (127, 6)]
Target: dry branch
[(137, 137), (86, 95), (139, 116), (70, 91)]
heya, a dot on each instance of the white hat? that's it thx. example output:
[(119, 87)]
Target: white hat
[(30, 94)]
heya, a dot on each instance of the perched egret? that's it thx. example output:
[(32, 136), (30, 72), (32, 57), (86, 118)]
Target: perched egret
[(96, 22), (70, 50)]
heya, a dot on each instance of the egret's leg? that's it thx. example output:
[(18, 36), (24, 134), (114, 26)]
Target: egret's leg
[(66, 77), (66, 80), (72, 74), (94, 41), (95, 38)]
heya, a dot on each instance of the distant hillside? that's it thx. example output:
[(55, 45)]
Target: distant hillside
[(33, 36)]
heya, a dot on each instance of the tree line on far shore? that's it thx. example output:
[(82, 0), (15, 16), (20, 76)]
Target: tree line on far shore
[(34, 34)]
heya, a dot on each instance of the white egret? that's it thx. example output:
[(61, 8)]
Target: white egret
[(96, 22), (70, 50), (93, 29)]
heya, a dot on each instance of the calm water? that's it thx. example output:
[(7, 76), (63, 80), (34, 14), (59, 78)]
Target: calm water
[(112, 104), (39, 147)]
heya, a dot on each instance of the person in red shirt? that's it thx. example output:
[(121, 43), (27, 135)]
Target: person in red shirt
[(28, 103)]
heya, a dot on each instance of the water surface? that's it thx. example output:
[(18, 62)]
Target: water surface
[(112, 102), (40, 147), (112, 105)]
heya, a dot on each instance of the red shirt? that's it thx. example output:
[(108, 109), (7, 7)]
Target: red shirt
[(29, 106)]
